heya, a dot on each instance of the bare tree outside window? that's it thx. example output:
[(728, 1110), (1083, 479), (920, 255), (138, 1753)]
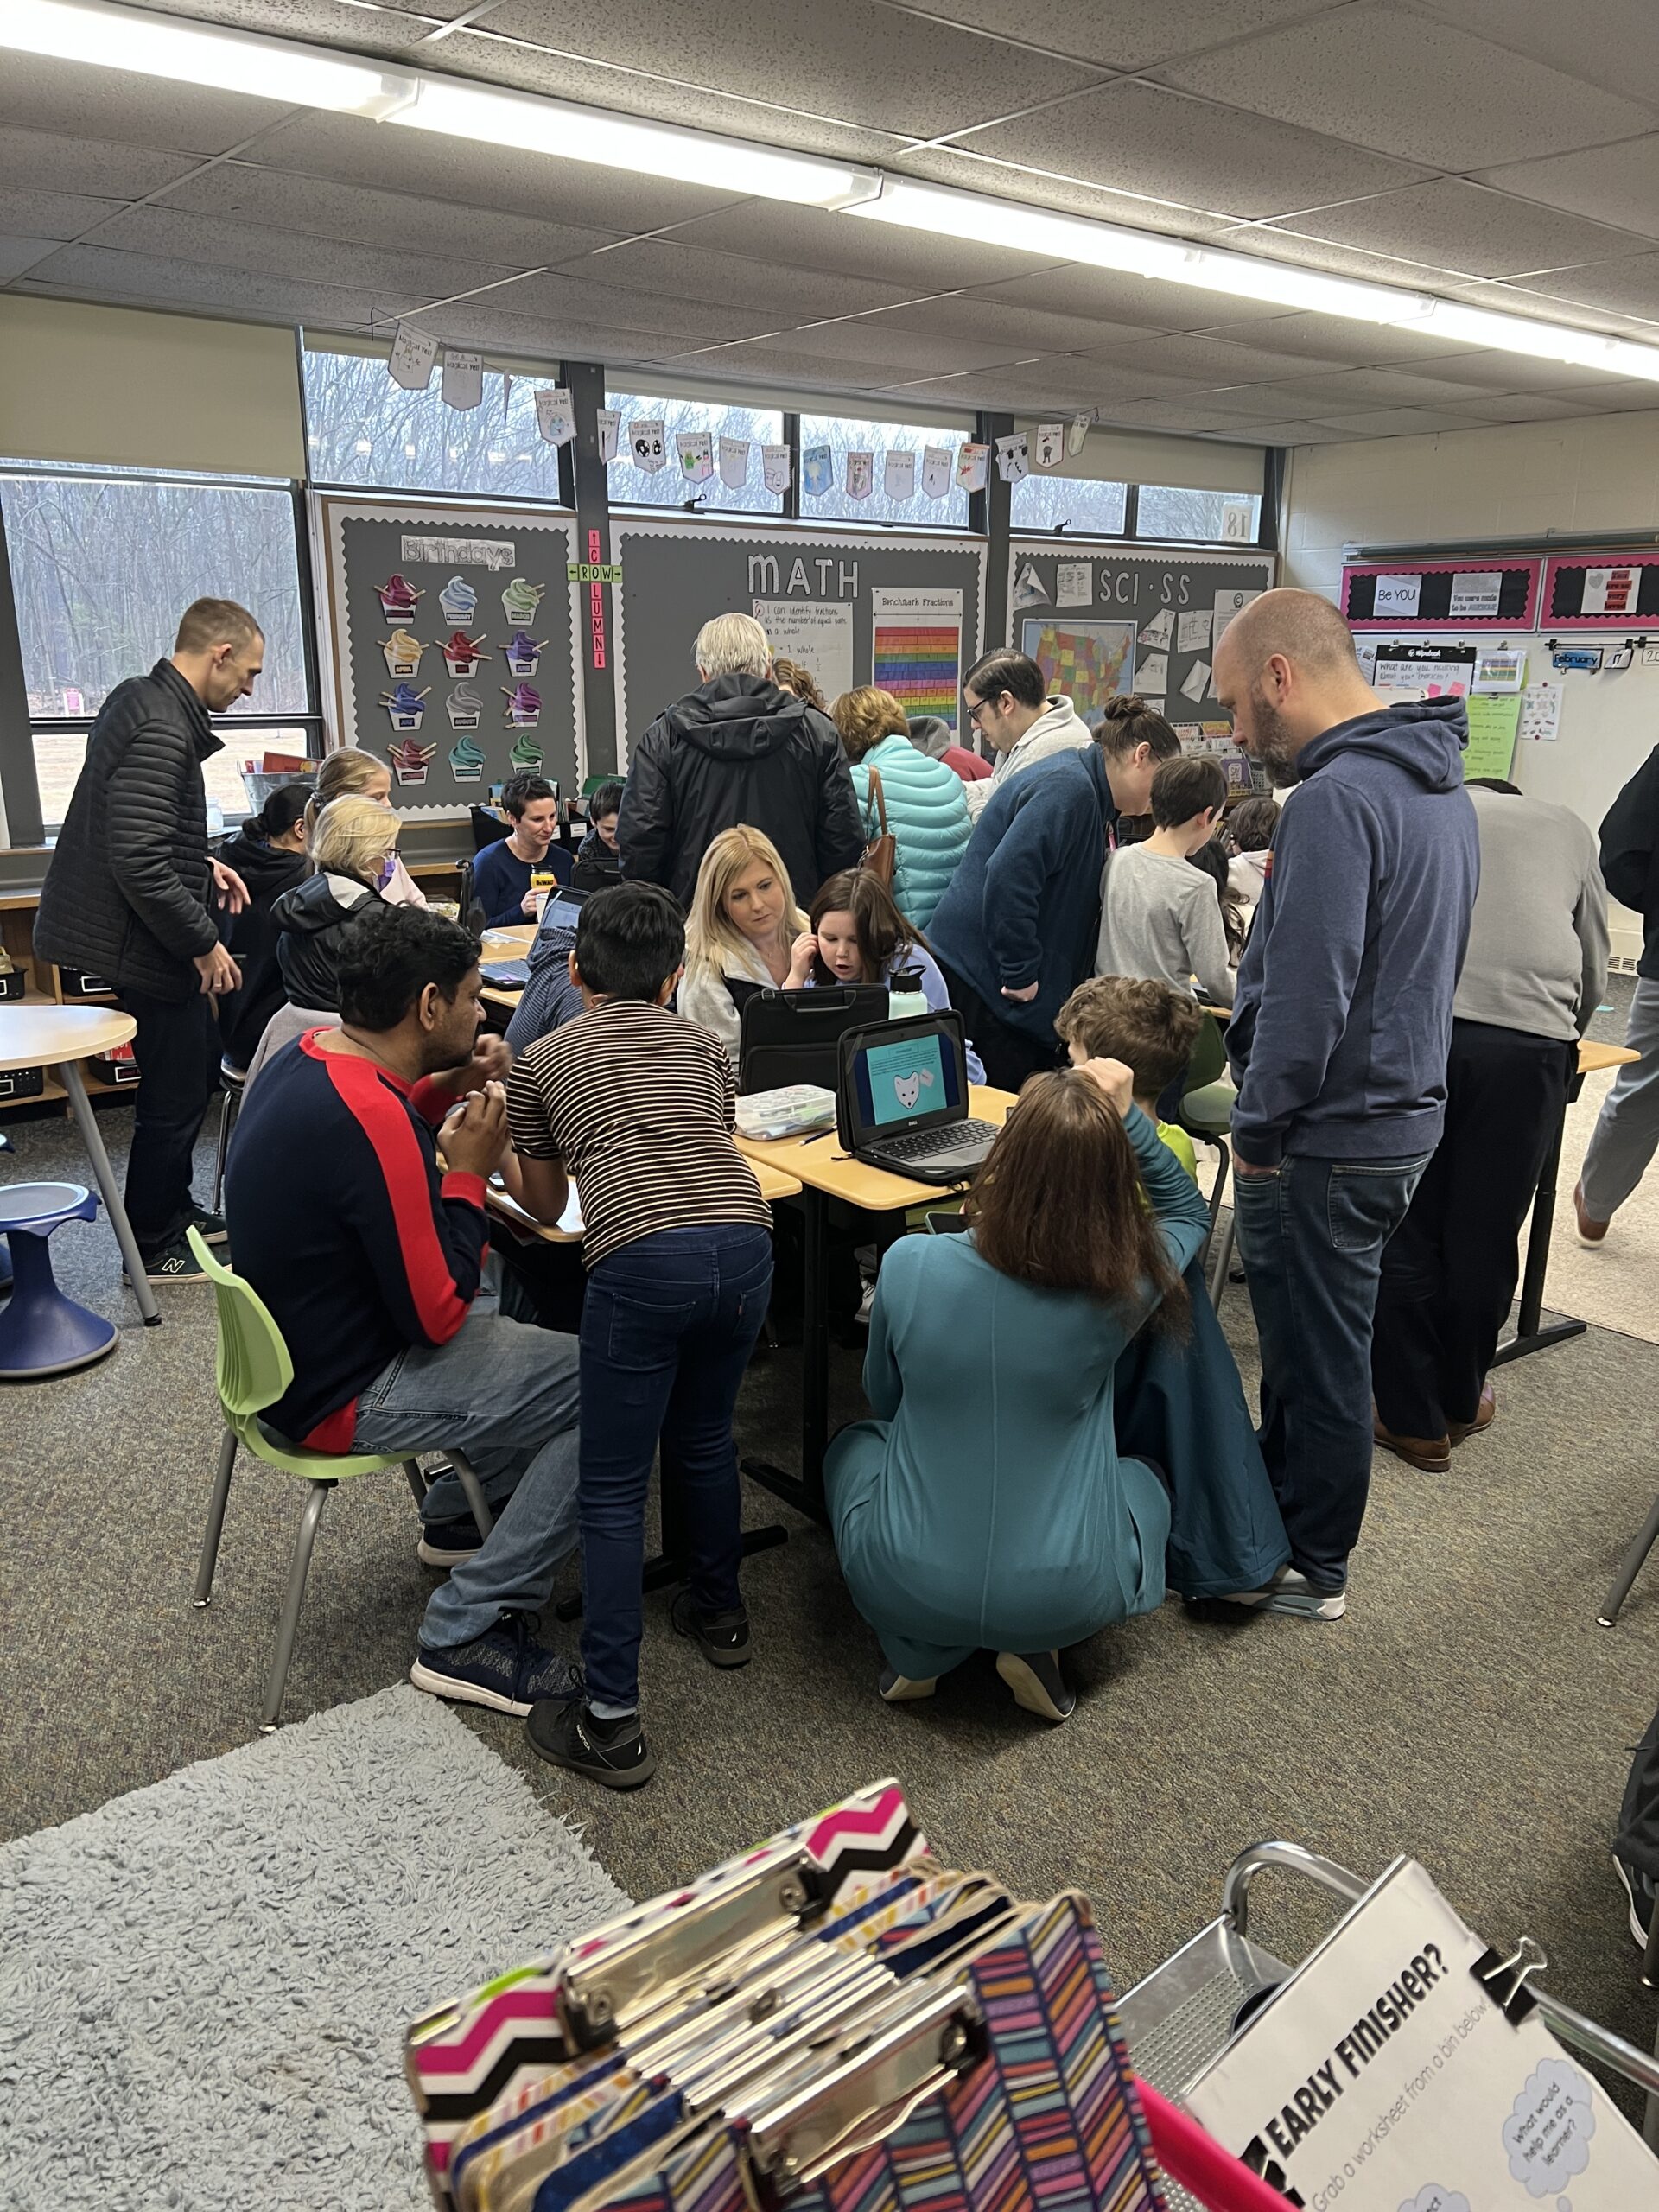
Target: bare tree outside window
[(666, 486), (363, 429), (1178, 511), (1087, 505)]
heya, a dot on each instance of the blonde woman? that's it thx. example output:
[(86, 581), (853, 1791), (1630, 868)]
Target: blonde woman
[(741, 935), (349, 772), (351, 842)]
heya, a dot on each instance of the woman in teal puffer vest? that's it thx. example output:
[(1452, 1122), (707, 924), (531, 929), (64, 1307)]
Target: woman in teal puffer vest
[(926, 811)]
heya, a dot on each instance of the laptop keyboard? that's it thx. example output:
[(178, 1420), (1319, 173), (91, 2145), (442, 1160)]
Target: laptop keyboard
[(927, 1144)]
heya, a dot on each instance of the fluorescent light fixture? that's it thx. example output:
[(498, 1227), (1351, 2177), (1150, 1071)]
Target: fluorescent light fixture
[(459, 108), (202, 54)]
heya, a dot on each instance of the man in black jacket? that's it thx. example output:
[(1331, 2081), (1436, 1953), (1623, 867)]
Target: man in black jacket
[(738, 749), (1626, 1133), (130, 896)]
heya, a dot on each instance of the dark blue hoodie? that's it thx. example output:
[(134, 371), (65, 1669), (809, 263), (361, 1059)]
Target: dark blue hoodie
[(1343, 1016)]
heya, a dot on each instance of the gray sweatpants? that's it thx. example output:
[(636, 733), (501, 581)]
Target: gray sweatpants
[(1626, 1133)]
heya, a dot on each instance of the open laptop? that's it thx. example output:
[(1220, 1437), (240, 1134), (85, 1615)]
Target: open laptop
[(563, 907), (902, 1100)]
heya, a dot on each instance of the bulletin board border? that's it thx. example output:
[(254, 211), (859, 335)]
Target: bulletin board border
[(1558, 563), (1483, 564)]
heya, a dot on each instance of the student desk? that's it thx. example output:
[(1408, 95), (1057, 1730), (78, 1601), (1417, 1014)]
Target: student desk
[(773, 1181), (1529, 1335), (826, 1171), (506, 945)]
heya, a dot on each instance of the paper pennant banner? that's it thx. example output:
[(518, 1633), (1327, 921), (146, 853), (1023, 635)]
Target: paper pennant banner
[(697, 452), (412, 355), (818, 470), (645, 446), (734, 462), (1049, 450), (972, 462), (556, 416), (935, 470), (899, 475), (774, 467), (1077, 434), (1013, 457), (860, 474), (610, 431), (463, 380)]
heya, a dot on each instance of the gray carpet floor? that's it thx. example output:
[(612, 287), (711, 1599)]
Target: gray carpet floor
[(1468, 1710)]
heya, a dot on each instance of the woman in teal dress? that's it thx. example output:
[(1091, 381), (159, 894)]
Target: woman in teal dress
[(986, 1505)]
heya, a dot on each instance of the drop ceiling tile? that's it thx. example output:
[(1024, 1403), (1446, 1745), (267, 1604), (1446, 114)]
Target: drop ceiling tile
[(971, 314), (1397, 422), (974, 171), (899, 352), (879, 70), (378, 29), (322, 209), (168, 233), (1611, 396), (1610, 184), (1503, 373), (40, 160), (1201, 360), (74, 101), (788, 364), (1375, 76), (879, 253), (1618, 47), (17, 255), (1348, 344), (1628, 287), (1149, 140), (143, 280), (353, 151), (1108, 295), (53, 215), (1126, 33), (671, 268), (1180, 415), (1523, 407), (1339, 390), (1299, 434), (1287, 245), (1468, 227), (556, 297), (1527, 296)]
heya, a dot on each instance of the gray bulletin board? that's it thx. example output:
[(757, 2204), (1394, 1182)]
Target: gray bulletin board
[(443, 553), (905, 612), (1078, 623)]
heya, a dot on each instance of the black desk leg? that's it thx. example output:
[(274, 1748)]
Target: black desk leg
[(1528, 1336), (804, 1491)]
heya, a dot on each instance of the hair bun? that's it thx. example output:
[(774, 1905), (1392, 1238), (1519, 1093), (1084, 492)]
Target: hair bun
[(1124, 708)]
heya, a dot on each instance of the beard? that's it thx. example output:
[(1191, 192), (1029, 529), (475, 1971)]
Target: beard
[(1271, 741)]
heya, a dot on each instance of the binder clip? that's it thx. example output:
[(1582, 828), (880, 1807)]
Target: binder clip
[(1505, 1979)]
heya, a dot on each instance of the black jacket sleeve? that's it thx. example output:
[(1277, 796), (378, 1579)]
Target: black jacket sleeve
[(146, 798), (645, 828), (839, 830), (1630, 840)]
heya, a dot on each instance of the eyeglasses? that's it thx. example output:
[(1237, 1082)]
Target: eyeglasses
[(977, 707)]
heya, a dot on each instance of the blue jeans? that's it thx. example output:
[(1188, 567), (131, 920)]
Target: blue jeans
[(667, 1330), (1312, 1236), (504, 1394)]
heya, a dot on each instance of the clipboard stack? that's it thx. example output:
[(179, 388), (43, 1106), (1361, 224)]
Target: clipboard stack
[(830, 2023)]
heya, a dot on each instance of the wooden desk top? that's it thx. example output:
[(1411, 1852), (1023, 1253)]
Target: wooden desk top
[(773, 1181), (46, 1036), (1592, 1057), (826, 1168), (506, 944)]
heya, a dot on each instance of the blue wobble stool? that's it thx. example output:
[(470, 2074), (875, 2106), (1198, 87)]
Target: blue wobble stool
[(41, 1331)]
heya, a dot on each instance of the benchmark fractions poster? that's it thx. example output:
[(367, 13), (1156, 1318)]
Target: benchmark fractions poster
[(454, 637), (916, 650)]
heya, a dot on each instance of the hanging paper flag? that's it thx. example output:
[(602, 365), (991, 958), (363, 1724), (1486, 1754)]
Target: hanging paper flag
[(556, 416), (971, 464), (1013, 458), (412, 355), (610, 429), (860, 474), (734, 462), (645, 443), (1077, 434), (935, 470), (818, 470), (1050, 444), (463, 380), (899, 475), (506, 393), (697, 452), (774, 467)]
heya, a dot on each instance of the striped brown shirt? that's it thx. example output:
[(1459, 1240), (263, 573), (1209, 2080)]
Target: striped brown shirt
[(639, 1105)]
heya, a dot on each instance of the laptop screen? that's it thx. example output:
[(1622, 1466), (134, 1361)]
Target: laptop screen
[(913, 1083)]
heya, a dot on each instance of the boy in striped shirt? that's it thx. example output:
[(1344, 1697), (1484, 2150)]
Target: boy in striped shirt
[(638, 1105)]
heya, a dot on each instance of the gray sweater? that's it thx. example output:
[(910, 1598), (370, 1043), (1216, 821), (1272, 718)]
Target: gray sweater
[(1159, 918), (1537, 956)]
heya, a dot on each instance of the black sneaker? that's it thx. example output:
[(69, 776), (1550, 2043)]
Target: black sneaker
[(209, 1226), (1639, 1889), (174, 1262), (614, 1752), (724, 1636), (505, 1668), (1038, 1685), (446, 1543)]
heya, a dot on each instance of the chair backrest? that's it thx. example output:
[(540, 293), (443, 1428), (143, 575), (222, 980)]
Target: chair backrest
[(253, 1365), (1209, 1060)]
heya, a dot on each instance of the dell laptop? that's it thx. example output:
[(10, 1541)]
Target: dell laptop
[(902, 1100)]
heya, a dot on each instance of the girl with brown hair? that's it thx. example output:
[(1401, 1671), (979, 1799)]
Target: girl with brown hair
[(858, 935)]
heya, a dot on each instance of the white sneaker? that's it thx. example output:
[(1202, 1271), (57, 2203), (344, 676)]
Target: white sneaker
[(1292, 1593)]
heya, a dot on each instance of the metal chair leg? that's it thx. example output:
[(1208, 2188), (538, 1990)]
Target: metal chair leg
[(1629, 1568), (474, 1490), (1224, 1260), (299, 1567), (226, 1124), (1222, 1159), (417, 1480), (203, 1593)]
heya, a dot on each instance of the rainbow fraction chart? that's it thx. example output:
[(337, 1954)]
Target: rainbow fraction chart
[(1090, 662), (916, 648)]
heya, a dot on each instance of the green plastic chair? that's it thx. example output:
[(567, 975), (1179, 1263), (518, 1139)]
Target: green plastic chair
[(1208, 1094), (253, 1369)]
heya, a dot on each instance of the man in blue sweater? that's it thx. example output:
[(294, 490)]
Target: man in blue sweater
[(1341, 1026)]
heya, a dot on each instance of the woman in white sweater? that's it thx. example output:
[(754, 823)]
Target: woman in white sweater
[(741, 933)]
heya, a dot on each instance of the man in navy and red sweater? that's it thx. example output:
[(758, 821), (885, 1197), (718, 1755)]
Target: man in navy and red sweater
[(373, 1264)]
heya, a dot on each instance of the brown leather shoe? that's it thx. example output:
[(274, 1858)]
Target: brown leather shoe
[(1591, 1232), (1430, 1455), (1485, 1414)]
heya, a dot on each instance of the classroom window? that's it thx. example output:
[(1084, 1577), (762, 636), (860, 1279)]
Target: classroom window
[(360, 428), (1087, 505), (632, 485), (843, 435), (1179, 510)]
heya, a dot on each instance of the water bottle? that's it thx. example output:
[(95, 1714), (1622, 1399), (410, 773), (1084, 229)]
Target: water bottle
[(215, 818), (904, 994)]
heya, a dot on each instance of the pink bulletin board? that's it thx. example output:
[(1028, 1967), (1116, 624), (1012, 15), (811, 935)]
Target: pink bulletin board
[(1601, 591), (1433, 594)]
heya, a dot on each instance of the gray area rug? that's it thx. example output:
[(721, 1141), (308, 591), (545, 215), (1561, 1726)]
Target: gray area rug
[(204, 1985)]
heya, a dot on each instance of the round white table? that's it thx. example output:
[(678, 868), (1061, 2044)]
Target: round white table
[(59, 1038)]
